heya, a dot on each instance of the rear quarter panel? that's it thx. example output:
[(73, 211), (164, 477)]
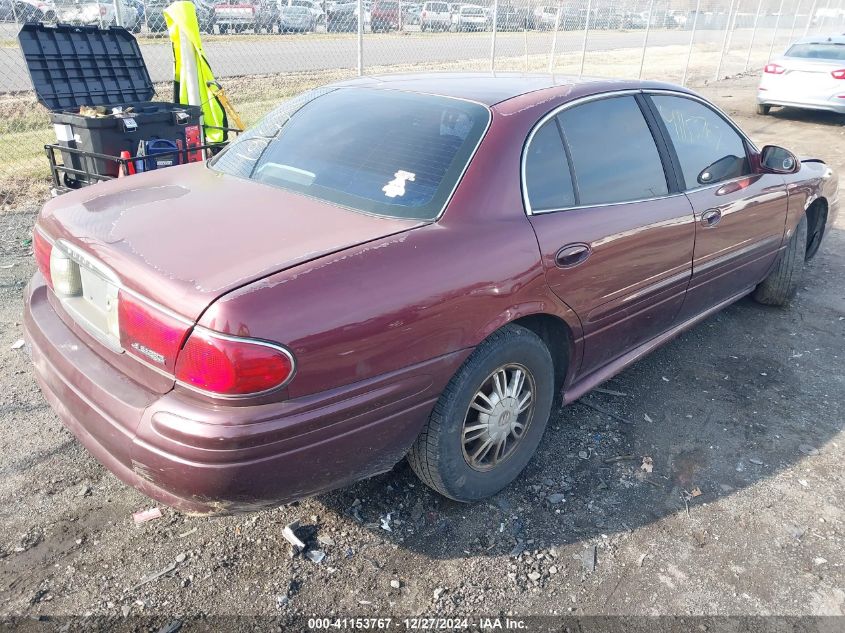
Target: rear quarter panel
[(411, 297)]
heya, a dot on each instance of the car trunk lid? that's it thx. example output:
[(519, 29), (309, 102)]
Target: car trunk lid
[(182, 237)]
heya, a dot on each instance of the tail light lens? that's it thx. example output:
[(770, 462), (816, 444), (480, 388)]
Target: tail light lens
[(232, 366), (149, 333), (102, 11), (42, 249), (838, 74), (774, 69)]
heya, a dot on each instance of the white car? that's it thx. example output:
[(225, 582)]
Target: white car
[(435, 16), (98, 13), (314, 7), (469, 17), (809, 75), (544, 18)]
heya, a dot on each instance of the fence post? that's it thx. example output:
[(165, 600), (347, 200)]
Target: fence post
[(810, 17), (753, 33), (360, 37), (525, 35), (692, 40), (586, 31), (724, 42), (794, 21), (554, 37), (775, 34), (493, 36), (733, 27), (645, 39)]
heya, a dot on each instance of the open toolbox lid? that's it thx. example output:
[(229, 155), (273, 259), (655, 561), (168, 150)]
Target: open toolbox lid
[(72, 66)]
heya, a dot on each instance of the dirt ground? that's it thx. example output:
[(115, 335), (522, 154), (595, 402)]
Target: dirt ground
[(748, 408)]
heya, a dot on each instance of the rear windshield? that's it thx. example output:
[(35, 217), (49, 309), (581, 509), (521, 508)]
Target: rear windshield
[(388, 5), (439, 7), (472, 11), (385, 152), (825, 50)]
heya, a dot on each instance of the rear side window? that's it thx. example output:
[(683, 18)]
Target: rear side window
[(708, 148), (613, 152), (547, 178), (824, 50), (385, 152)]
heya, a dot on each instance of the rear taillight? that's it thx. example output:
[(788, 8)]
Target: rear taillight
[(42, 249), (149, 333), (103, 11), (774, 69), (232, 366), (838, 74)]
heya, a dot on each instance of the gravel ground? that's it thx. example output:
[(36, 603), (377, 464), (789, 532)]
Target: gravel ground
[(742, 514)]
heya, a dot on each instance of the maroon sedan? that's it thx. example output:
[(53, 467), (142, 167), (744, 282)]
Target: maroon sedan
[(401, 266)]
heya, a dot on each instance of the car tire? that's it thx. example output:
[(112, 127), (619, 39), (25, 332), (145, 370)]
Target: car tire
[(442, 454), (781, 286), (763, 109)]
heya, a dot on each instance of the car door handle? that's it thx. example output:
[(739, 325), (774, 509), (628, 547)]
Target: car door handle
[(711, 217), (572, 255)]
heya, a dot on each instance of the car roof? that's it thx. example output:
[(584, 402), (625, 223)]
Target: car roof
[(834, 38), (491, 88)]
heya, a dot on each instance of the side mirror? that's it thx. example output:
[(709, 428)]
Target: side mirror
[(778, 160)]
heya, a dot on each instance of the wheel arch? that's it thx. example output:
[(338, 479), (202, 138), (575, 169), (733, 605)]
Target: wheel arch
[(816, 214), (558, 338)]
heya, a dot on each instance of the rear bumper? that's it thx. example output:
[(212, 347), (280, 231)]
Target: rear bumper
[(792, 101), (204, 458)]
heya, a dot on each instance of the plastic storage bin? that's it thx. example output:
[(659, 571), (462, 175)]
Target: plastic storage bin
[(75, 67)]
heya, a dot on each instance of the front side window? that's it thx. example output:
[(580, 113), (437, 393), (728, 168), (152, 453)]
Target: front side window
[(613, 153), (708, 148), (547, 178), (385, 152)]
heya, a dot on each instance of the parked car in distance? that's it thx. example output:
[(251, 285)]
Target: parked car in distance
[(101, 13), (156, 23), (469, 17), (296, 19), (25, 11), (411, 13), (809, 75), (544, 18), (342, 17), (314, 7), (236, 15), (511, 18), (633, 21), (385, 15), (420, 276), (435, 16)]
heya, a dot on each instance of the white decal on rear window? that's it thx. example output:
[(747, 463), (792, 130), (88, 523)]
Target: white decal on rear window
[(396, 187)]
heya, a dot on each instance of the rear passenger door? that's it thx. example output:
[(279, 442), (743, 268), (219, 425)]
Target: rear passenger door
[(615, 235)]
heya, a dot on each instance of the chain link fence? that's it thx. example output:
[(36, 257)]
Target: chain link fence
[(264, 51)]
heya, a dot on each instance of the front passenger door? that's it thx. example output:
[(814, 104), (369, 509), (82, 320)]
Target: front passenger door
[(740, 215)]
